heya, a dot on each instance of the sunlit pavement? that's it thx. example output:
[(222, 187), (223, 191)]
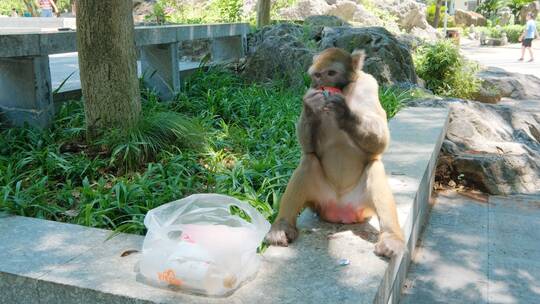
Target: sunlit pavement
[(505, 57), (478, 252)]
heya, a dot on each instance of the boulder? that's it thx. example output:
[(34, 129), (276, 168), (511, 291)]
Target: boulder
[(278, 53), (533, 7), (314, 25), (305, 8), (467, 18), (492, 148), (324, 20), (487, 94), (409, 13), (364, 17), (344, 9), (410, 16), (428, 34), (141, 9), (387, 59), (513, 85)]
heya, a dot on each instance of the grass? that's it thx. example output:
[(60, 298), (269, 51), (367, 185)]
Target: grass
[(249, 152)]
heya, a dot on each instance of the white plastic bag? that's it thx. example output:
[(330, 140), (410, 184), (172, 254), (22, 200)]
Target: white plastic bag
[(196, 244)]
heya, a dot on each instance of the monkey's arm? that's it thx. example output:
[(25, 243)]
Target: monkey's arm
[(310, 120), (306, 131), (367, 129)]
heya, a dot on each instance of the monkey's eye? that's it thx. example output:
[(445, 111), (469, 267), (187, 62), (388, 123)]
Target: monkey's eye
[(332, 73), (317, 75)]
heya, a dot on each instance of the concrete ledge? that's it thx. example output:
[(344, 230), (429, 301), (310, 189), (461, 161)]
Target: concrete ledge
[(48, 262), (36, 23), (15, 43)]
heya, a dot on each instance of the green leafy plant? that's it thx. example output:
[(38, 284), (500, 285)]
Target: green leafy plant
[(516, 5), (513, 32), (489, 8), (445, 70), (248, 151), (230, 10)]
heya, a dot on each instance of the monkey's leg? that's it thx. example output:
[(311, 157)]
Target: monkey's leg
[(377, 191), (305, 185)]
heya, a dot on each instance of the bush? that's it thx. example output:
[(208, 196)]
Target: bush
[(250, 150), (513, 32), (489, 8), (445, 71)]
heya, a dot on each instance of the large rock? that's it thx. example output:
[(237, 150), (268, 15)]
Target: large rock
[(492, 148), (305, 8), (324, 20), (533, 7), (410, 16), (388, 59), (141, 9), (409, 13), (429, 34), (345, 9), (364, 17), (468, 18), (514, 85), (278, 53)]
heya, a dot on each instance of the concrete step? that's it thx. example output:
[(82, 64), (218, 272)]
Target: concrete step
[(48, 262), (478, 252)]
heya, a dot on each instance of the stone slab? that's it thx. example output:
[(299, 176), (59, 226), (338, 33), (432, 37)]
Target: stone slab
[(36, 23), (76, 265), (15, 43), (473, 252)]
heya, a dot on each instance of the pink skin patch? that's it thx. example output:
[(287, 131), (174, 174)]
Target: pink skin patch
[(345, 214), (187, 238)]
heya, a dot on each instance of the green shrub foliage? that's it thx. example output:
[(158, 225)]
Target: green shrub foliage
[(445, 70)]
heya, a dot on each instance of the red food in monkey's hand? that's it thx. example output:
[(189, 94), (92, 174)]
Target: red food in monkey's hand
[(331, 90)]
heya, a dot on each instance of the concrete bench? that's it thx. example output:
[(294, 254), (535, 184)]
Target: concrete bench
[(25, 24), (25, 78), (49, 262)]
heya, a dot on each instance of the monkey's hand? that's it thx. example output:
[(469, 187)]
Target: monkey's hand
[(336, 103), (314, 100), (281, 233), (389, 245)]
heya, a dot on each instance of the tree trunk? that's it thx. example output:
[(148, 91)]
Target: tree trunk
[(437, 16), (107, 64), (263, 13)]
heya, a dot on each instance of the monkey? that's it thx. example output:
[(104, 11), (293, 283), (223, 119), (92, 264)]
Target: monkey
[(343, 132)]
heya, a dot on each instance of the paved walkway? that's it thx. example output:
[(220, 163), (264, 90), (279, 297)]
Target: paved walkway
[(504, 57), (478, 252)]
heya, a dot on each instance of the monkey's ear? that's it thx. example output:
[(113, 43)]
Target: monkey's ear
[(358, 57)]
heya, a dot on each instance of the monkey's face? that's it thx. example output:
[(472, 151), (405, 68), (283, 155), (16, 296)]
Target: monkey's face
[(333, 75)]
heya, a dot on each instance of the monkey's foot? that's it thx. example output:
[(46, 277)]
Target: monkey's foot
[(389, 245), (282, 233)]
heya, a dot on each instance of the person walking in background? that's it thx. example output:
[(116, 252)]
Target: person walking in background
[(528, 36), (14, 13), (47, 7)]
